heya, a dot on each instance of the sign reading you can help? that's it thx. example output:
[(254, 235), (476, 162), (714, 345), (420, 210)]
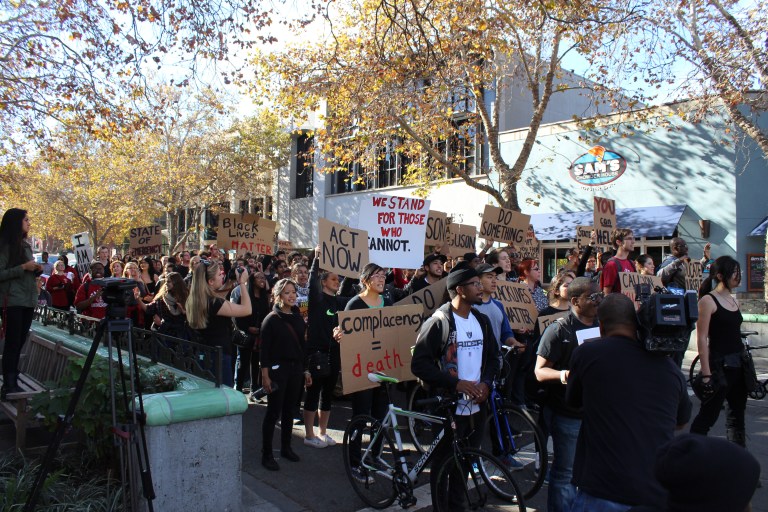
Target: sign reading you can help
[(343, 250), (518, 303), (501, 224), (83, 252), (396, 229), (605, 219), (146, 241), (377, 340), (246, 233)]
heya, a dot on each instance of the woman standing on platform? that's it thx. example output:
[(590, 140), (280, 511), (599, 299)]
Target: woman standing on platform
[(18, 292)]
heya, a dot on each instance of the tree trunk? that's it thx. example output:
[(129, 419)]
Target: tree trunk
[(171, 219)]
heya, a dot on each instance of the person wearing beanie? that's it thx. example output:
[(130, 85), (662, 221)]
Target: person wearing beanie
[(456, 352), (705, 474)]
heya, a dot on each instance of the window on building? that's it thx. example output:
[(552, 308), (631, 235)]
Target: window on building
[(305, 166)]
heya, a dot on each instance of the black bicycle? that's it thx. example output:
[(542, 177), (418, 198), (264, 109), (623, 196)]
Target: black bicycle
[(379, 471), (762, 386)]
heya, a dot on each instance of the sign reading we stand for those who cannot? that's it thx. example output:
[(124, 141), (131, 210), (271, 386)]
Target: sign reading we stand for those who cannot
[(396, 229), (146, 241), (246, 233), (518, 303), (343, 250), (605, 220), (81, 242), (377, 340)]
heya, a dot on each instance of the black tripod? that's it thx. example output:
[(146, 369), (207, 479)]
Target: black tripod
[(125, 433)]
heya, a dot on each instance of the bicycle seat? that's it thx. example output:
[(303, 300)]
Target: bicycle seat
[(744, 334), (380, 378)]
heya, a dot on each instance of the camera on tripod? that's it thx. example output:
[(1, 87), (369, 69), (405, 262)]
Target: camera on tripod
[(665, 320), (117, 292)]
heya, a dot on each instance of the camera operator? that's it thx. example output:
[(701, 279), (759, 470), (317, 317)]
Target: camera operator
[(632, 401)]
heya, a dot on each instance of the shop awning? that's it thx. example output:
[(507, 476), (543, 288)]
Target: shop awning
[(650, 221), (760, 229)]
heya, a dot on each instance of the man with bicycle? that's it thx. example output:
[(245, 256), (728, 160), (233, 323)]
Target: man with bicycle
[(456, 351)]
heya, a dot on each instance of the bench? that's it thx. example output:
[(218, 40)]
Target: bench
[(43, 362)]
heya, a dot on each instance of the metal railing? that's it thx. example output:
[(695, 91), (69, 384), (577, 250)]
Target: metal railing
[(193, 357)]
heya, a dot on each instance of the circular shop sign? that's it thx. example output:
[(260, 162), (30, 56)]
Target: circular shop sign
[(598, 167)]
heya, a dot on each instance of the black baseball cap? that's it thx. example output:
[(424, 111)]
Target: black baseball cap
[(432, 257), (485, 268)]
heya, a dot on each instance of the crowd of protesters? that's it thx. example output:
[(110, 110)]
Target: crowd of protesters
[(287, 307)]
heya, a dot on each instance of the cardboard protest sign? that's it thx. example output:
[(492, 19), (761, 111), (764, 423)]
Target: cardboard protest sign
[(377, 340), (396, 229), (544, 321), (630, 279), (518, 303), (583, 236), (343, 250), (501, 224), (462, 239), (605, 219), (694, 275), (531, 248), (431, 297), (146, 241), (246, 233), (437, 228), (81, 243)]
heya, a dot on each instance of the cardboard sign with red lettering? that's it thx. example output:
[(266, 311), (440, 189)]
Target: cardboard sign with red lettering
[(431, 297), (544, 321), (605, 220), (462, 239), (501, 224), (396, 229), (246, 233), (377, 340), (437, 229), (518, 303), (343, 250), (630, 279), (146, 241)]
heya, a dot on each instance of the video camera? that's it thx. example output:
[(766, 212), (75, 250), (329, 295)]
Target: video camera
[(665, 320), (116, 292)]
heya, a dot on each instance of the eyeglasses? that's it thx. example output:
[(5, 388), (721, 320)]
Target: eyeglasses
[(378, 276), (476, 284), (596, 297)]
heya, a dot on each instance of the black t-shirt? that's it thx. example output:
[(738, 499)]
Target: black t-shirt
[(219, 330), (357, 302), (557, 344), (632, 401)]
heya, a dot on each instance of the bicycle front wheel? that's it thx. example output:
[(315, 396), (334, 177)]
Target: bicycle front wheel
[(472, 479), (695, 368), (422, 432), (369, 461), (517, 441)]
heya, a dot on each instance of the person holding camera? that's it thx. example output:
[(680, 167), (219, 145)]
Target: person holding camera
[(721, 352), (627, 414), (209, 313), (18, 292)]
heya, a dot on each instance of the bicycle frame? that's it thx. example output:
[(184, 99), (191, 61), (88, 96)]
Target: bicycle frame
[(493, 399)]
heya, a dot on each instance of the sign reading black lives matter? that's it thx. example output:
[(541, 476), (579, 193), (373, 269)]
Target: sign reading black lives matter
[(396, 229), (377, 340), (518, 303), (343, 250), (83, 252), (146, 241), (503, 225), (246, 233), (605, 220)]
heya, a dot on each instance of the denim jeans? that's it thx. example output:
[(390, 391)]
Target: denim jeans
[(564, 432), (587, 503)]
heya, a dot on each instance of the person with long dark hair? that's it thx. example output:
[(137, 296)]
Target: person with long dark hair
[(283, 334), (18, 292), (249, 356), (721, 352)]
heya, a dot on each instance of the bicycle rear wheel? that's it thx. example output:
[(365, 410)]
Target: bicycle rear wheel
[(369, 461), (422, 432), (695, 368), (518, 442), (472, 479)]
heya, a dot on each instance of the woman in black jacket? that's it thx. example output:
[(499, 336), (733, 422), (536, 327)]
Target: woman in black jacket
[(322, 345), (249, 356), (282, 363)]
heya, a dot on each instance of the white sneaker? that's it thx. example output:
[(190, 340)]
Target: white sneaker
[(328, 440), (315, 442)]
